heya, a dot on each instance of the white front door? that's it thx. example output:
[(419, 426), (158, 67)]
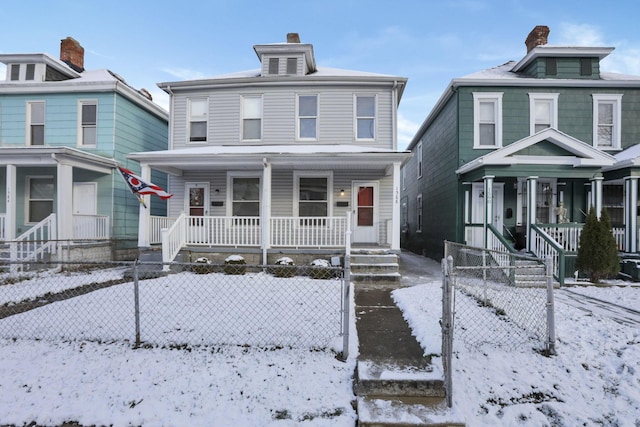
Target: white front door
[(478, 211), (365, 203), (84, 206)]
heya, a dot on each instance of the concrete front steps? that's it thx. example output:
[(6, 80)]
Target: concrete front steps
[(530, 273), (374, 266)]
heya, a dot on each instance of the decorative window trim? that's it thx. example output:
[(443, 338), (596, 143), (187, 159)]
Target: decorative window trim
[(419, 159), (496, 98), (30, 123), (244, 116), (299, 117), (552, 98), (616, 134), (242, 174), (81, 126), (312, 174), (419, 213), (356, 117), (197, 119)]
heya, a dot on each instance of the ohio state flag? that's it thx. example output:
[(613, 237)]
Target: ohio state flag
[(140, 186)]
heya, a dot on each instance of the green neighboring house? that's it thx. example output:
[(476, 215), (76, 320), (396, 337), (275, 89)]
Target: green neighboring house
[(512, 157), (63, 132)]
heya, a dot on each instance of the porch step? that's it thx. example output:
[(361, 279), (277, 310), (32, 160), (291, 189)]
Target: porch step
[(376, 267), (403, 412), (530, 273)]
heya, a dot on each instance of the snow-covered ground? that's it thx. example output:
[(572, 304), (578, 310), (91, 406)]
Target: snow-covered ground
[(593, 380)]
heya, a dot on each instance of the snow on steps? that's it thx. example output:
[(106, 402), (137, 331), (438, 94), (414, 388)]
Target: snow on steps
[(374, 266)]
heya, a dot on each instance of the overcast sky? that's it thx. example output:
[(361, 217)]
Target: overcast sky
[(429, 42)]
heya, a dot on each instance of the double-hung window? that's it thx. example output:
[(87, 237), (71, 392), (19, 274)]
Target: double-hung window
[(543, 109), (274, 66), (87, 120), (198, 119), (245, 195), (252, 117), (313, 192), (39, 198), (292, 66), (307, 116), (487, 120), (419, 213), (365, 116), (35, 123), (419, 159), (607, 112)]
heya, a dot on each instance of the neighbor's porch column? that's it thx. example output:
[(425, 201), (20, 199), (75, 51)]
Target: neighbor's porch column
[(488, 209), (10, 203), (532, 187), (630, 209), (265, 211), (144, 216), (65, 199), (395, 212), (596, 195)]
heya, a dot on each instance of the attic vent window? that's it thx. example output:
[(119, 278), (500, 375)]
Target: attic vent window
[(552, 67), (292, 65), (585, 66), (15, 72), (274, 65)]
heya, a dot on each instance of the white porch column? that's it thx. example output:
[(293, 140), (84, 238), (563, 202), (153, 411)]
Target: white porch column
[(10, 203), (630, 209), (596, 194), (65, 201), (144, 216), (488, 209), (265, 211), (532, 187), (395, 212)]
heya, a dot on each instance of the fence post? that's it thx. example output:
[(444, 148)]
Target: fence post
[(136, 299), (346, 284), (551, 324), (447, 333)]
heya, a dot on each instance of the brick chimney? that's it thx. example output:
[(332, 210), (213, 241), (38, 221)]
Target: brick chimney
[(537, 37), (293, 38), (72, 54)]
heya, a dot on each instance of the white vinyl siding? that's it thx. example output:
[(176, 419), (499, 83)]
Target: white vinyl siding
[(487, 120), (607, 112), (543, 111)]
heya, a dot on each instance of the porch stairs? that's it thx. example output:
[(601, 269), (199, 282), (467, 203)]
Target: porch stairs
[(530, 273), (374, 266)]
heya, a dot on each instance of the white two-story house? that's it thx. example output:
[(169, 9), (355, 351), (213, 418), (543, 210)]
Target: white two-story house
[(287, 157)]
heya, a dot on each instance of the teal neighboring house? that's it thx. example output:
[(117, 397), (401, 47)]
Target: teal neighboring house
[(513, 157), (63, 132)]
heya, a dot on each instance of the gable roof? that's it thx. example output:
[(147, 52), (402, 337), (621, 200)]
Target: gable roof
[(579, 154)]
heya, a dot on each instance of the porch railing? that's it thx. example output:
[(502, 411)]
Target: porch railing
[(308, 231), (35, 243), (91, 227), (223, 231), (568, 235), (544, 246), (156, 224), (173, 239), (2, 226)]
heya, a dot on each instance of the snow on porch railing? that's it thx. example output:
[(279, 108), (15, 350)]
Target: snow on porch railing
[(94, 227), (314, 232)]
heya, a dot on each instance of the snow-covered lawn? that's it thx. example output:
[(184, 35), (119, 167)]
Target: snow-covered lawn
[(593, 380)]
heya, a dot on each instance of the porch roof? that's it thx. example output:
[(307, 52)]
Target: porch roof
[(576, 153), (330, 156), (37, 156)]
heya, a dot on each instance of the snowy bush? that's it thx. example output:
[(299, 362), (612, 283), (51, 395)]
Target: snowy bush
[(235, 264), (320, 269), (204, 266), (284, 267)]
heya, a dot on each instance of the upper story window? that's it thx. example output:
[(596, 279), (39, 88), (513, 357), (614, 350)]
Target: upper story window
[(197, 119), (15, 72), (292, 65), (585, 67), (551, 67), (307, 116), (543, 110), (419, 154), (487, 120), (30, 72), (252, 117), (607, 114), (35, 123), (365, 116), (274, 65), (88, 120)]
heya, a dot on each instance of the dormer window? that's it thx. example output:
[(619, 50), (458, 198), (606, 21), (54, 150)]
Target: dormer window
[(274, 66), (15, 72), (585, 67), (31, 72), (292, 66)]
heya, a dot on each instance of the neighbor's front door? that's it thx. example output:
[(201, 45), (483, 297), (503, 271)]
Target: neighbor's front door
[(365, 202), (197, 199)]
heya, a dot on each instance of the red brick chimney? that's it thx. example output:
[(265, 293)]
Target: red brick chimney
[(537, 37), (72, 54), (293, 38)]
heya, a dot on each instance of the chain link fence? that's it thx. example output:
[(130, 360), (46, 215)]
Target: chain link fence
[(195, 304)]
